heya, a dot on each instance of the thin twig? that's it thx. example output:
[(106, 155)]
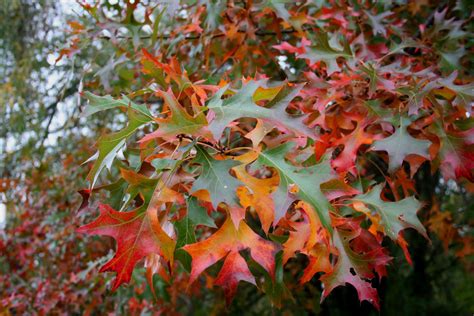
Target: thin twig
[(195, 37)]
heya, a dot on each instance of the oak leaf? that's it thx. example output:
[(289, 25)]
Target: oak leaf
[(353, 266), (227, 241), (401, 144), (457, 153), (257, 192), (138, 234), (215, 178), (322, 50), (178, 121), (242, 105), (306, 179), (102, 103), (109, 145), (308, 237), (393, 217)]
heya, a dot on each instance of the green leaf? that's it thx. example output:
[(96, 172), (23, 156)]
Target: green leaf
[(185, 233), (163, 164), (417, 93), (216, 179), (464, 93), (395, 216), (154, 34), (376, 80), (179, 121), (401, 144), (275, 288), (308, 181), (323, 51), (111, 144), (116, 191), (375, 107), (102, 103), (138, 184), (377, 22), (451, 59), (396, 48), (133, 157), (214, 10), (198, 214), (242, 104), (279, 7)]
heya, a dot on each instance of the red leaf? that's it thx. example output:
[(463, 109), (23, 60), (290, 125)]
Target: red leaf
[(345, 161), (457, 153), (137, 233), (233, 271), (358, 254)]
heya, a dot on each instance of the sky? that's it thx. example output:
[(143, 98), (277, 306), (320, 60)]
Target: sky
[(3, 215)]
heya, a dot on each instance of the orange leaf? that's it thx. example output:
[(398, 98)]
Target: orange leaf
[(228, 241)]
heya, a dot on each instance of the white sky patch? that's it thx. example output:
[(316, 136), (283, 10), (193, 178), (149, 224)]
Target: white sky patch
[(70, 6), (51, 59), (282, 61), (3, 215), (139, 13), (183, 14)]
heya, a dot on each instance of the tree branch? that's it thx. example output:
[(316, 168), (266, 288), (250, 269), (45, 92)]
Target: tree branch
[(195, 37)]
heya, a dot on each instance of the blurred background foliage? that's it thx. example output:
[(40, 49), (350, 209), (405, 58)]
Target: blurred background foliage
[(45, 268)]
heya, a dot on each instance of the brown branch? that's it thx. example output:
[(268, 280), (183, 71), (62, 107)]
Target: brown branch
[(53, 108), (195, 37), (201, 142)]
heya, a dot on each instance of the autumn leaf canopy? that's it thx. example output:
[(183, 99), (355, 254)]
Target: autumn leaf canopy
[(258, 132)]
